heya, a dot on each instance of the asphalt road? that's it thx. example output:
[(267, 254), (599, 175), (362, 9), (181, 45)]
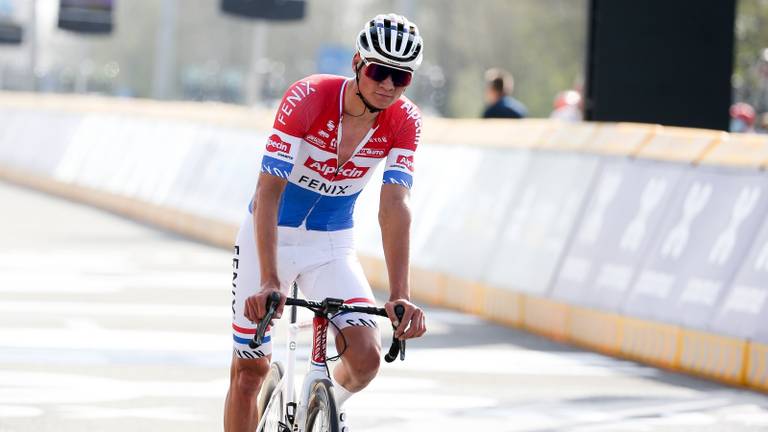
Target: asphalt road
[(108, 325)]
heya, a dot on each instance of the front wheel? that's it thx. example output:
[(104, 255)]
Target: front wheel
[(270, 401), (322, 414)]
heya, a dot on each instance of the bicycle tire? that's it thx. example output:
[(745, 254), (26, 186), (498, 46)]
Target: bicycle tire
[(269, 402), (322, 414)]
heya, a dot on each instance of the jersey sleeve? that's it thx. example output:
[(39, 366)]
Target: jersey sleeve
[(293, 119), (399, 165)]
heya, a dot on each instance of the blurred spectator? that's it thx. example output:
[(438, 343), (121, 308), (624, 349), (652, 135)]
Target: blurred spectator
[(498, 91), (567, 106), (742, 118), (762, 123)]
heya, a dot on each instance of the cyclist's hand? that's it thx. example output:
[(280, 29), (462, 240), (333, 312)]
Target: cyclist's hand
[(256, 305), (413, 324)]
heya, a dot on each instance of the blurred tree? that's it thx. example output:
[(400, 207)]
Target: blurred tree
[(750, 75), (540, 41)]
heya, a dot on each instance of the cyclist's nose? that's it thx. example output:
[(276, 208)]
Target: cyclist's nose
[(387, 83)]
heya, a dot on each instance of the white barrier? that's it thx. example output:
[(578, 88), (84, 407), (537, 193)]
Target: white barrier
[(520, 234)]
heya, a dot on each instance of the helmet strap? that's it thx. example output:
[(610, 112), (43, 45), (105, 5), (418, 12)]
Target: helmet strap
[(367, 104)]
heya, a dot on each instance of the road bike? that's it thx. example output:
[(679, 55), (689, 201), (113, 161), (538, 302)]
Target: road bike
[(315, 408)]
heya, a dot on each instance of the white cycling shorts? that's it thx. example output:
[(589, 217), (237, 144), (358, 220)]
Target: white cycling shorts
[(322, 263)]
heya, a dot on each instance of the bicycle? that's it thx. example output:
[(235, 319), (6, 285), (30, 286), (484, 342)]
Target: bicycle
[(315, 410)]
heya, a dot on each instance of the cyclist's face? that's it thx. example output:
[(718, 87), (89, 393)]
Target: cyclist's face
[(382, 93)]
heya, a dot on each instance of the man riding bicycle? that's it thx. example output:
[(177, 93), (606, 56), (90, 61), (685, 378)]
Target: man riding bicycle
[(329, 135)]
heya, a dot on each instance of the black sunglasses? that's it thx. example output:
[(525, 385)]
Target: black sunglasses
[(378, 73)]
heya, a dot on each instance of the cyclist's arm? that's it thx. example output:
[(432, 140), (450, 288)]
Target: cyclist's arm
[(266, 202), (291, 122), (395, 222), (265, 205)]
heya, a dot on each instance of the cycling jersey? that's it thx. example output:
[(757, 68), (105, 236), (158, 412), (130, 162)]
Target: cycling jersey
[(302, 148)]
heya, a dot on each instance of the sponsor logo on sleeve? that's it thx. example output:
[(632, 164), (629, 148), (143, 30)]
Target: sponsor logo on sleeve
[(277, 145), (351, 171), (406, 161), (330, 125)]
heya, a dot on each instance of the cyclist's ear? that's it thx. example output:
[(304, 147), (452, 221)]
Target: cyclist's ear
[(357, 62)]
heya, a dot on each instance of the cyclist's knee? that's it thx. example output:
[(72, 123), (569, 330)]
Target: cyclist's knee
[(364, 362), (249, 375)]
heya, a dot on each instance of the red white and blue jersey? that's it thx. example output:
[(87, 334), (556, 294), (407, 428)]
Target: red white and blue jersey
[(302, 148)]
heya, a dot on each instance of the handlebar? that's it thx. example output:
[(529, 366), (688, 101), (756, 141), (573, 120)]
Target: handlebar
[(329, 306)]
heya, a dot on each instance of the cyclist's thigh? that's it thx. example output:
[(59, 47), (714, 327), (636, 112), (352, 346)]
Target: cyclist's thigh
[(246, 281), (342, 278)]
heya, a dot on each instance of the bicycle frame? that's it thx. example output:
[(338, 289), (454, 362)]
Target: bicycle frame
[(317, 368)]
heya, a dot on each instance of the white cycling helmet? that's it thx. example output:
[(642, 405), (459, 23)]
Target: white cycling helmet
[(391, 40)]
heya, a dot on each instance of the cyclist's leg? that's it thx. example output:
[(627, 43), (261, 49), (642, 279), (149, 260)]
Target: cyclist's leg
[(249, 366), (359, 339)]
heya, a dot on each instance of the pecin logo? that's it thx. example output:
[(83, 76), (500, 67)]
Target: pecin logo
[(327, 169), (275, 144), (406, 161)]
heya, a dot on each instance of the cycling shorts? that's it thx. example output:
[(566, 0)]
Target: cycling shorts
[(322, 263)]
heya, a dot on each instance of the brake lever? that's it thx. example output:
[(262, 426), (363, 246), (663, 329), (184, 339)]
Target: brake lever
[(397, 346), (258, 339)]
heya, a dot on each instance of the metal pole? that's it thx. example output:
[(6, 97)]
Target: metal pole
[(165, 51), (32, 38), (258, 63)]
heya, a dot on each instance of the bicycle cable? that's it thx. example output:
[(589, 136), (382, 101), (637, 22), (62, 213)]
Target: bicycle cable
[(343, 338)]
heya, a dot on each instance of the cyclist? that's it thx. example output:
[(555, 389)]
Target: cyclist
[(329, 134)]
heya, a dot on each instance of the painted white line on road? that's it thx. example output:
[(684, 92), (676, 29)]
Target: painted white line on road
[(24, 387), (503, 360), (168, 413), (40, 389), (486, 360), (116, 309), (28, 281), (102, 339), (8, 411)]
